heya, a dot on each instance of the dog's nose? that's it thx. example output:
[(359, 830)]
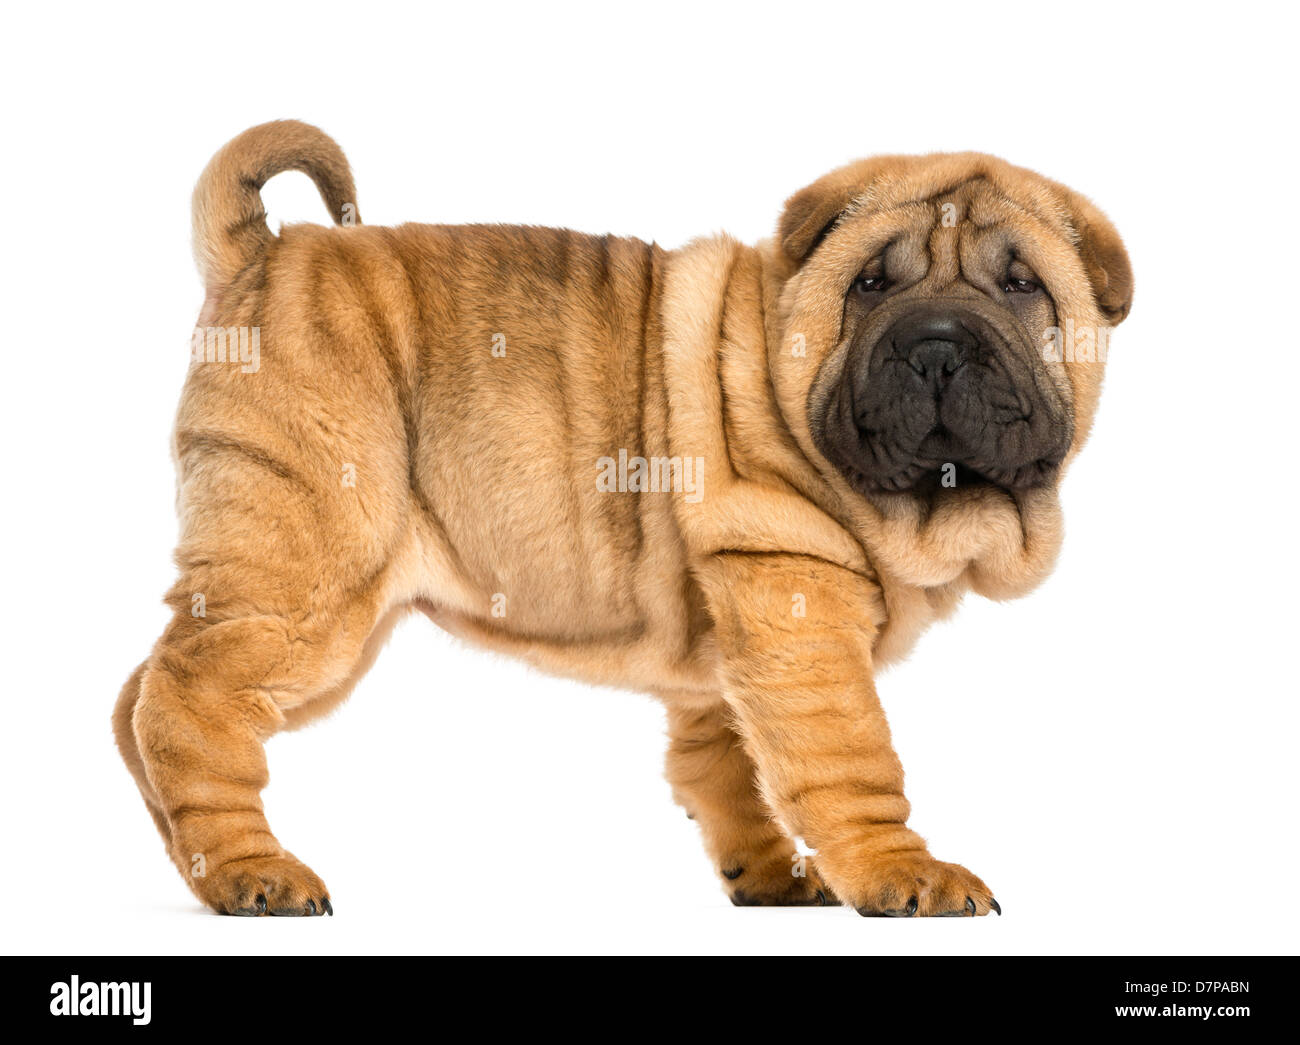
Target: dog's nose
[(934, 344)]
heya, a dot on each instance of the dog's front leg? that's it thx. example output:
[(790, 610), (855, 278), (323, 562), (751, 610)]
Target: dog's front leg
[(795, 636)]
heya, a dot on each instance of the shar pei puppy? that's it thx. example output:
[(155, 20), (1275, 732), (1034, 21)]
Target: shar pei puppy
[(740, 478)]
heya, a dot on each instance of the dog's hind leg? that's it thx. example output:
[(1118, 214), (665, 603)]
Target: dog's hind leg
[(284, 580), (714, 780), (211, 694)]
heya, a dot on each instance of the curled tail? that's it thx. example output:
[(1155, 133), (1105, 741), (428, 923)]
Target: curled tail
[(229, 219)]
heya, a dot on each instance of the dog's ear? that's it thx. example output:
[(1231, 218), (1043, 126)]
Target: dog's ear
[(811, 212), (1104, 258)]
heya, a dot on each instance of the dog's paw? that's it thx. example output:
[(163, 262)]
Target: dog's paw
[(774, 884), (281, 886), (915, 885)]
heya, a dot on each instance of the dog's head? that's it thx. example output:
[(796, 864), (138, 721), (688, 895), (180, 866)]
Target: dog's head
[(956, 312)]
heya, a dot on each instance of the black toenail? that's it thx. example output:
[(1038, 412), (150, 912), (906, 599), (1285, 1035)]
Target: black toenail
[(311, 907), (911, 907), (821, 899), (996, 906), (970, 905), (327, 907), (731, 874)]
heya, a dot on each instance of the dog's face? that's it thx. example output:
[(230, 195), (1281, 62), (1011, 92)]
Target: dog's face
[(944, 367), (970, 296)]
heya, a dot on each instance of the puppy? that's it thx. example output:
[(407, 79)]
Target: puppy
[(739, 478)]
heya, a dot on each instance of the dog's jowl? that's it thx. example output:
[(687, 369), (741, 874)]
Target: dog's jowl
[(739, 478)]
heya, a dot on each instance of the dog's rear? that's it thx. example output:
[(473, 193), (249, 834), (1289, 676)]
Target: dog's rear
[(282, 578)]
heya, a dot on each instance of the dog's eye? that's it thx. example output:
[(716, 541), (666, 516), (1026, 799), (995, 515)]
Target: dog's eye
[(870, 284), (1019, 286)]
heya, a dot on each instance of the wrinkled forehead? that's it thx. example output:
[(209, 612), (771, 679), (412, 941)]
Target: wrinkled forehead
[(972, 224), (981, 189)]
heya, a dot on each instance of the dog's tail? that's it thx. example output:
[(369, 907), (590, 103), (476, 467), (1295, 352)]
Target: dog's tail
[(229, 220)]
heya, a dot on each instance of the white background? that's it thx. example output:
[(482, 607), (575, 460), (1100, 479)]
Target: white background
[(1114, 754)]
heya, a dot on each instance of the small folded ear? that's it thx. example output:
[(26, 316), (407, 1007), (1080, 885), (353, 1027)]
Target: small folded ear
[(1104, 258), (812, 212)]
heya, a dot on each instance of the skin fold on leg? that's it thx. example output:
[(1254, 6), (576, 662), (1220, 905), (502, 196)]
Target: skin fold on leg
[(124, 734)]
